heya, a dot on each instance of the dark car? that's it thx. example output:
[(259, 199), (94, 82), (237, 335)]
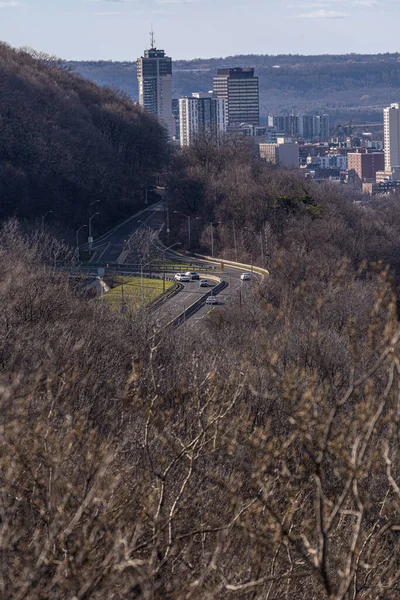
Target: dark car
[(192, 274)]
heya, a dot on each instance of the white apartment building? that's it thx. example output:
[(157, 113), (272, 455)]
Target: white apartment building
[(201, 113), (333, 161), (325, 162), (391, 130)]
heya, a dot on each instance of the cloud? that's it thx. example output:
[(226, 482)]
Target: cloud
[(109, 13), (9, 4), (307, 5), (324, 4), (321, 14), (113, 1), (177, 1), (117, 13), (367, 3)]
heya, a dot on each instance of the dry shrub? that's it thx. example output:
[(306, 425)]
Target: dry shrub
[(258, 460)]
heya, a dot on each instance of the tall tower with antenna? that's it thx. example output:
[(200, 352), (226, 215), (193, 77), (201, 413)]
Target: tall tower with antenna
[(154, 72)]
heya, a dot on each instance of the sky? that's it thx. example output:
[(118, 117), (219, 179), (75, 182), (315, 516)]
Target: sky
[(119, 29)]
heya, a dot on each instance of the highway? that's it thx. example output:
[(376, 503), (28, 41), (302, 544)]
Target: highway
[(111, 248), (192, 292)]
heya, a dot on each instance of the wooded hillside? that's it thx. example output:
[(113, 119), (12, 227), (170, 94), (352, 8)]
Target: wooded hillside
[(66, 142)]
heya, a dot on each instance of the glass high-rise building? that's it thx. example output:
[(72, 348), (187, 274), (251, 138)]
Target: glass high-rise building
[(239, 88), (154, 72)]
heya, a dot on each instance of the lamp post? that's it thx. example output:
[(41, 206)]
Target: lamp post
[(188, 218), (90, 239), (77, 238), (234, 236), (147, 230), (234, 240), (168, 229), (261, 243), (43, 218), (164, 269), (145, 193), (211, 224), (262, 247)]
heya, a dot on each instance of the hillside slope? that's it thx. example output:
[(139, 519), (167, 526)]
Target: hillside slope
[(65, 143), (347, 86)]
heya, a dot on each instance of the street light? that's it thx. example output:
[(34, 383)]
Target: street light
[(164, 269), (168, 228), (261, 242), (90, 239), (148, 229), (77, 238), (44, 216), (188, 218), (211, 224), (234, 236)]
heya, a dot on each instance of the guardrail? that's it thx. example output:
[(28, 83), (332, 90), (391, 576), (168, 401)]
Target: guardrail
[(230, 263), (193, 308), (164, 296), (176, 268)]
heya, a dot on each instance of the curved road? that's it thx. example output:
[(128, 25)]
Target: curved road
[(111, 248)]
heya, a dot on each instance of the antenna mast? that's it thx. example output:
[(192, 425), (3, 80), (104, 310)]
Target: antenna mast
[(152, 38)]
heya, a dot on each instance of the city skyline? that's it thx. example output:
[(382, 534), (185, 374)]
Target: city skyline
[(117, 29)]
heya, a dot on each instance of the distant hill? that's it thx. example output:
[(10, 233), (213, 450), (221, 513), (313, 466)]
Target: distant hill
[(348, 86), (65, 142)]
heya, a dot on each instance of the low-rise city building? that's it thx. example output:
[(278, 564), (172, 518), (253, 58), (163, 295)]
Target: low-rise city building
[(381, 188), (363, 166)]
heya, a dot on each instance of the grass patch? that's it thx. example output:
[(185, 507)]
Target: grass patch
[(132, 291)]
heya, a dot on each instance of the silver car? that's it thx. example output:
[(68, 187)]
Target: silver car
[(245, 276)]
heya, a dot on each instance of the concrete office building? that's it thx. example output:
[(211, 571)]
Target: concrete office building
[(154, 72), (201, 114), (284, 153), (391, 130), (239, 88), (324, 128)]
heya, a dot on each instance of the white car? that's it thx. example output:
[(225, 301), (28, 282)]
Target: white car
[(181, 277), (203, 283), (245, 276), (211, 300)]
